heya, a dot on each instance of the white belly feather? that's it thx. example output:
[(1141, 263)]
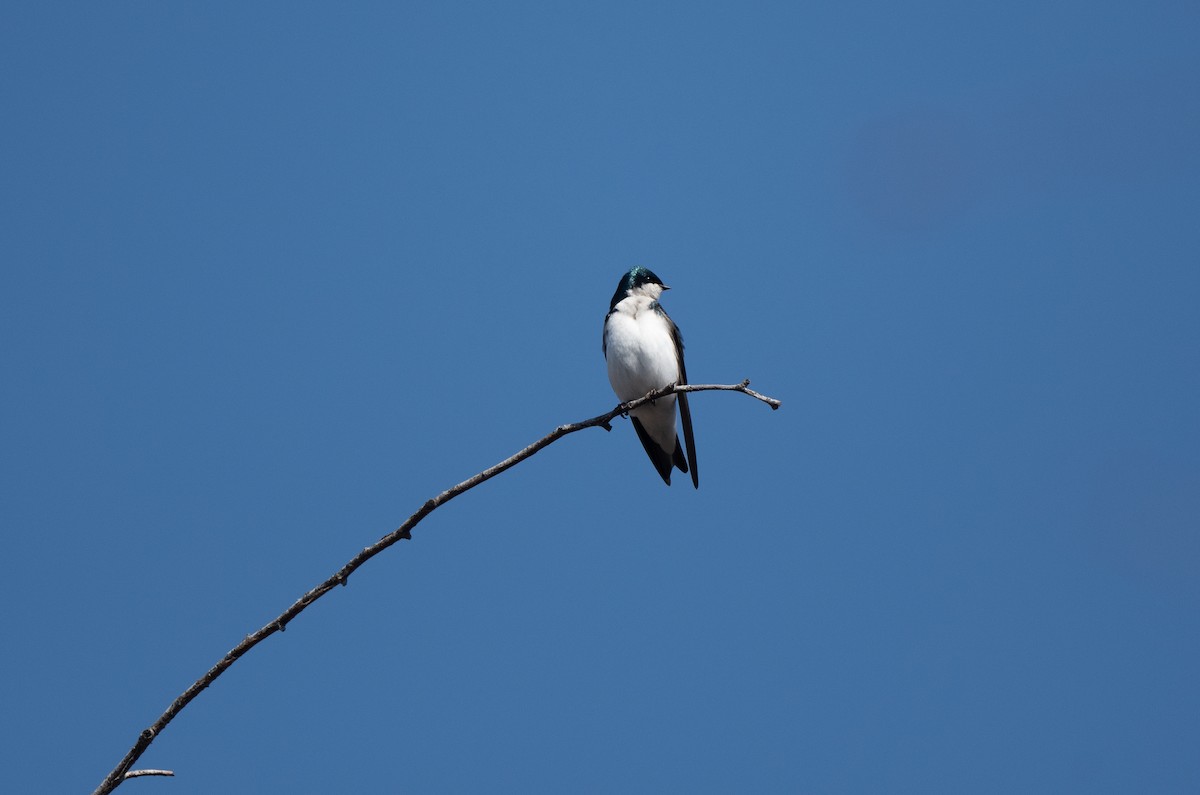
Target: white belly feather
[(641, 357)]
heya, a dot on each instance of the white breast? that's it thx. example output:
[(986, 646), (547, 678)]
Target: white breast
[(639, 349)]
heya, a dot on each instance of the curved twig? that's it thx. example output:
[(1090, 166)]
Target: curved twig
[(279, 624)]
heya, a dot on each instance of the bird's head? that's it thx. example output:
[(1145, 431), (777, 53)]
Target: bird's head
[(638, 282)]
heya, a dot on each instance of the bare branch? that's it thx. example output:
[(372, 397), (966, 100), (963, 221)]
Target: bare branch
[(743, 387), (404, 531), (148, 772)]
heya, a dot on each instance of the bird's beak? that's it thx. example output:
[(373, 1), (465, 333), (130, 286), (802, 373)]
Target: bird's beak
[(665, 288)]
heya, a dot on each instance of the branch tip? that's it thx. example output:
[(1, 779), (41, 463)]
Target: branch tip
[(148, 772)]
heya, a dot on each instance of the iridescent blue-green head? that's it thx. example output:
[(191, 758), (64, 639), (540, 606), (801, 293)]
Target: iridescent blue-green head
[(639, 281)]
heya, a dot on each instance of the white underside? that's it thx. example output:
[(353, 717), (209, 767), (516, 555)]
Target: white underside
[(641, 357)]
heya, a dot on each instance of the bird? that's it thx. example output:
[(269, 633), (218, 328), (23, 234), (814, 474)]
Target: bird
[(644, 351)]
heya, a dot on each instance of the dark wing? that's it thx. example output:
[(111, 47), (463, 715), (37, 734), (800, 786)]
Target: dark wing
[(658, 456), (685, 411)]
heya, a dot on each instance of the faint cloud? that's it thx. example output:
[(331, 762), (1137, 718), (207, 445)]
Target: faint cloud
[(913, 169), (1144, 516), (921, 167)]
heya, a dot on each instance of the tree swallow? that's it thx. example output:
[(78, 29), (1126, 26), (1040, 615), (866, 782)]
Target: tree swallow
[(644, 351)]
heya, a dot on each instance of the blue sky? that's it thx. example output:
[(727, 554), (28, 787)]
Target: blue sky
[(273, 275)]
